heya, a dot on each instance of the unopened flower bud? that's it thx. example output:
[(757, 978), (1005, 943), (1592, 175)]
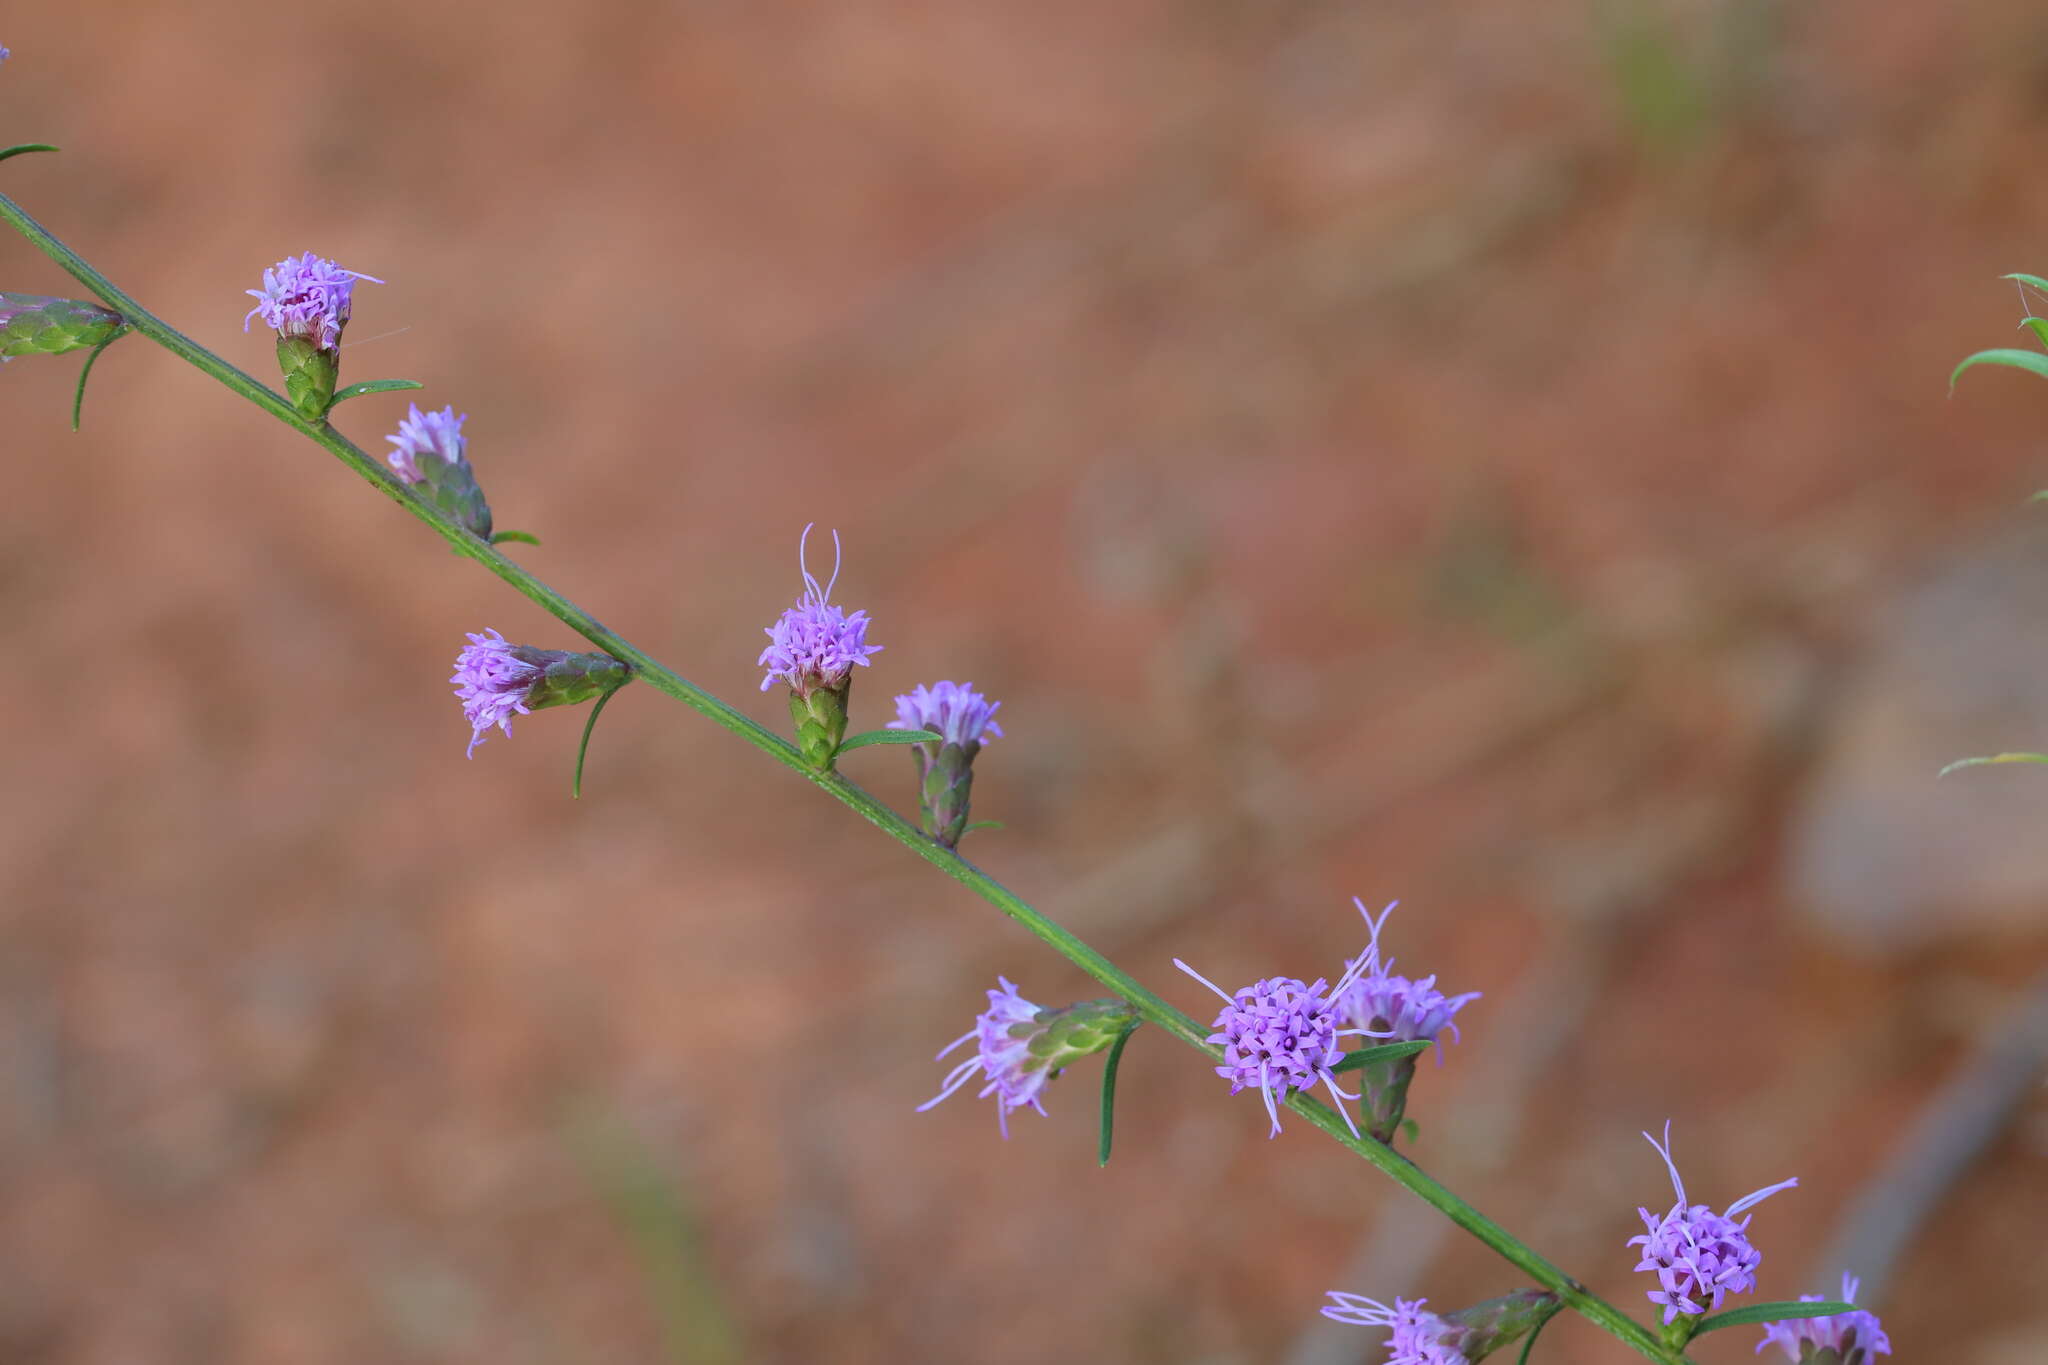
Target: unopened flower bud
[(813, 648), (31, 324), (432, 459), (1019, 1047), (306, 300), (496, 681), (962, 717)]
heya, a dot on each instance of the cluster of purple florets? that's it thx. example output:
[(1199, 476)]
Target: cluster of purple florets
[(1855, 1338), (1416, 1335), (955, 711), (814, 644), (306, 296), (493, 683), (437, 435), (1699, 1257), (1002, 1035), (1397, 1008)]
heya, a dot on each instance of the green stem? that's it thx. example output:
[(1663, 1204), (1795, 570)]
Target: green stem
[(663, 679)]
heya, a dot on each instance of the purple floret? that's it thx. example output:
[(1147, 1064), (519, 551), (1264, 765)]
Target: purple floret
[(1396, 1007), (1854, 1337), (306, 296), (1417, 1337), (427, 433), (814, 644), (1279, 1035), (1002, 1034), (954, 710), (1700, 1256), (492, 682)]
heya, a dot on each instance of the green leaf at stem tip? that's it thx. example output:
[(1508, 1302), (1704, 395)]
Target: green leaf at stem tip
[(78, 398), (373, 386), (20, 147), (1771, 1312), (576, 784), (2029, 361), (2039, 327), (523, 537), (2034, 280), (1391, 1052), (1992, 758), (867, 737), (1109, 1064)]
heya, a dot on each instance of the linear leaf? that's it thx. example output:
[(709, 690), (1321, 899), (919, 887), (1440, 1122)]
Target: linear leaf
[(374, 386), (864, 739), (2034, 280), (1771, 1312), (1992, 758), (20, 147), (2038, 326), (1109, 1065), (2016, 359), (523, 537), (1392, 1052)]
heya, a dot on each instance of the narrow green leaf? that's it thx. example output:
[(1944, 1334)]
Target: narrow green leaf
[(2039, 327), (523, 537), (1992, 758), (863, 740), (1771, 1312), (373, 386), (1109, 1065), (78, 398), (1392, 1052), (2041, 496), (1412, 1129), (576, 785), (1530, 1344), (2034, 280), (2018, 360), (21, 147), (982, 824)]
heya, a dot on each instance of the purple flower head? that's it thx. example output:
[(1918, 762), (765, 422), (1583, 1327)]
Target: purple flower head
[(431, 433), (1417, 1333), (1854, 1337), (1396, 1007), (1280, 1035), (4, 54), (955, 710), (814, 644), (493, 683), (1003, 1035), (1700, 1256), (306, 296)]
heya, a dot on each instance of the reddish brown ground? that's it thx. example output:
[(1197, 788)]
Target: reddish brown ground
[(1362, 457)]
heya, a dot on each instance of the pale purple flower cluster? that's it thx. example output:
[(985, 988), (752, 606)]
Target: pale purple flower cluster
[(1417, 1337), (1280, 1036), (427, 433), (1395, 1007), (306, 296), (492, 682), (1855, 1337), (1002, 1035), (4, 54), (1700, 1256), (955, 711), (814, 644)]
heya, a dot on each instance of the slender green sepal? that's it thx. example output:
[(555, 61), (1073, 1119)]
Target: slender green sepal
[(523, 537), (2030, 361), (576, 785), (1390, 1052), (1771, 1312), (20, 148), (1992, 758), (85, 372), (373, 386), (309, 375), (867, 737), (1109, 1066)]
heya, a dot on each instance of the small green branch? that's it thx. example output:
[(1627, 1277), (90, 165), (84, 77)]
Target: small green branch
[(666, 680)]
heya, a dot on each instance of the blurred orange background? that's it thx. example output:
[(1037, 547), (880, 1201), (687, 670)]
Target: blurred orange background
[(1493, 455)]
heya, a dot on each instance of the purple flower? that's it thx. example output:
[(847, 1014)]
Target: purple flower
[(814, 645), (1003, 1035), (1280, 1035), (1854, 1337), (493, 683), (1417, 1333), (956, 711), (306, 296), (1396, 1007), (432, 433), (4, 54), (1698, 1254)]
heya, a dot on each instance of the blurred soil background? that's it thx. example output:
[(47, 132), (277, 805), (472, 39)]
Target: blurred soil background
[(1494, 455)]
